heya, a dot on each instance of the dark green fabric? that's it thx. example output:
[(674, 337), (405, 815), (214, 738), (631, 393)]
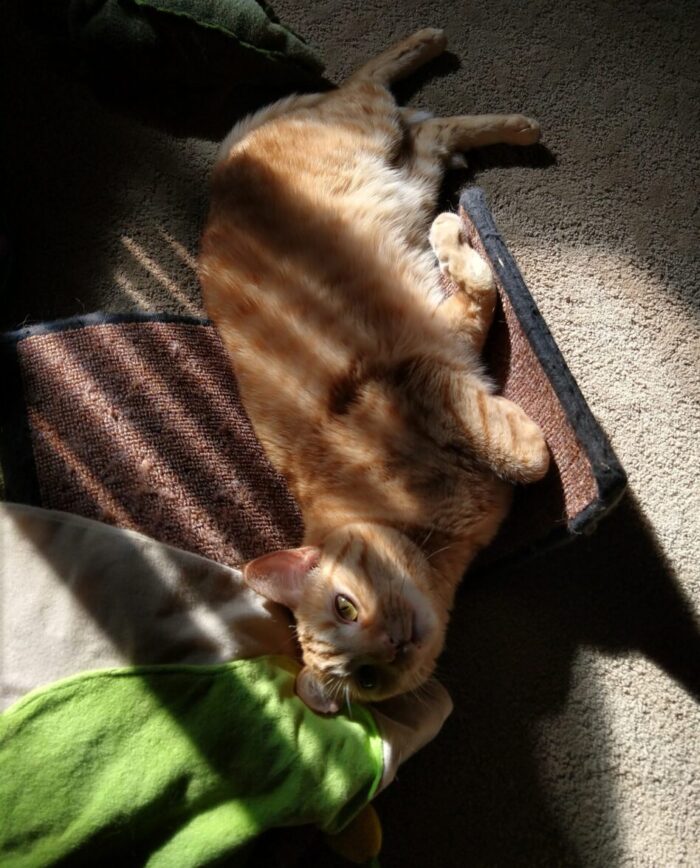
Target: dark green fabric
[(175, 765), (252, 24), (192, 67), (179, 38)]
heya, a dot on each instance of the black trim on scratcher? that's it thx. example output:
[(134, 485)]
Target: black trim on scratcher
[(607, 471), (21, 483)]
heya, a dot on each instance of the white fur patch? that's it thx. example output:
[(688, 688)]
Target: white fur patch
[(417, 116)]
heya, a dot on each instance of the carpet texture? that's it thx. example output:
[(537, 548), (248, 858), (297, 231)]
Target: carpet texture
[(575, 735)]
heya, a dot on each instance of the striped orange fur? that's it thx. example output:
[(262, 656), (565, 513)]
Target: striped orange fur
[(318, 266)]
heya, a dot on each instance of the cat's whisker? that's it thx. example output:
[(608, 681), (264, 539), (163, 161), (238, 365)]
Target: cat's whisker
[(427, 537), (439, 551), (340, 693), (333, 686)]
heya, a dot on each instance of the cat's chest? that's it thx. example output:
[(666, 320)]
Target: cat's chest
[(388, 461), (395, 451)]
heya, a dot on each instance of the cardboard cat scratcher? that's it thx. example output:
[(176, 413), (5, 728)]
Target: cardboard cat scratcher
[(135, 420)]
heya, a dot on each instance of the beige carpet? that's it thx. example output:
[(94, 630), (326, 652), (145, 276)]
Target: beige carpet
[(575, 739)]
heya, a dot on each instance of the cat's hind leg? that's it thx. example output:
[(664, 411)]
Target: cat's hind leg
[(403, 58), (365, 105), (435, 144), (469, 310), (446, 136)]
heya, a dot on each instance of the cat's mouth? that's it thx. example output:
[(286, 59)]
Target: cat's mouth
[(371, 678), (365, 681), (375, 683)]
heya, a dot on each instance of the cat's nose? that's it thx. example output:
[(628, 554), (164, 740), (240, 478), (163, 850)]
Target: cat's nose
[(397, 647), (402, 648)]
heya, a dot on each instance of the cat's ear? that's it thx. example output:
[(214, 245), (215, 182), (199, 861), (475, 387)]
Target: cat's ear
[(311, 692), (280, 576)]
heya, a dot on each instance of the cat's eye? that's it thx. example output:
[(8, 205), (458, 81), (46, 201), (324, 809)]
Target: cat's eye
[(346, 608), (367, 677)]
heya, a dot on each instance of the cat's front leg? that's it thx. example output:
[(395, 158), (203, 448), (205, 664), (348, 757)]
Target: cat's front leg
[(469, 311), (500, 432)]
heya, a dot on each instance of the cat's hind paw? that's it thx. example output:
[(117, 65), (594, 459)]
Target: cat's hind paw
[(521, 130), (432, 40)]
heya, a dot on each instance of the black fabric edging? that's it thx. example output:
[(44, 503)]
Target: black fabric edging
[(20, 482)]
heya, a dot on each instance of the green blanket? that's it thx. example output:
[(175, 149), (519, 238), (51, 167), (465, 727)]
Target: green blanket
[(175, 765)]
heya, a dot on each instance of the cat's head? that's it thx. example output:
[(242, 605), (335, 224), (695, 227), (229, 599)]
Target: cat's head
[(365, 621)]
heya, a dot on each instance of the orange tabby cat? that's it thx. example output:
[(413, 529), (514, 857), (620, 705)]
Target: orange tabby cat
[(362, 383)]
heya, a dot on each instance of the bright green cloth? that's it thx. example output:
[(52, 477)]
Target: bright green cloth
[(175, 765)]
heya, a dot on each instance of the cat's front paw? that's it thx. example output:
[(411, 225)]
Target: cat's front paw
[(528, 455), (458, 259), (445, 237), (533, 453)]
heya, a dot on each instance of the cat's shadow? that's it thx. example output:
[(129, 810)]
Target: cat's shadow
[(482, 160), (511, 663), (494, 773)]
